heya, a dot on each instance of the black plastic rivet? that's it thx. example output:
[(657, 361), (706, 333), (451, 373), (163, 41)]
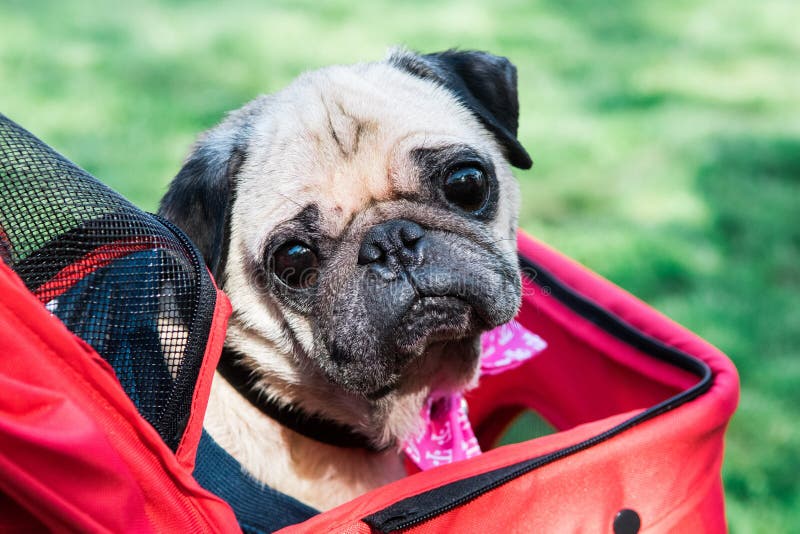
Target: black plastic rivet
[(627, 522)]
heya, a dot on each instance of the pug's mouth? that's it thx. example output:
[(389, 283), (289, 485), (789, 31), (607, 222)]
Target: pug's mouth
[(433, 319), (434, 336)]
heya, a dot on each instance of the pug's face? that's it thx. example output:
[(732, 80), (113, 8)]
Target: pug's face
[(362, 222)]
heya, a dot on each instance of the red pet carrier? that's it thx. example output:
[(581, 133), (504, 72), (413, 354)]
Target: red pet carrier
[(111, 326)]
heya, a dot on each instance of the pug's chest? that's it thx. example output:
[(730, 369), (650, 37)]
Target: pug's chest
[(317, 474)]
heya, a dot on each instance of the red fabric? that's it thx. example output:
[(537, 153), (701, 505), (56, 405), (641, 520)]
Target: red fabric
[(667, 469), (74, 453), (187, 448)]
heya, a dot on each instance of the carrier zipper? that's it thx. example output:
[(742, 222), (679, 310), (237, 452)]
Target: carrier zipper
[(201, 322)]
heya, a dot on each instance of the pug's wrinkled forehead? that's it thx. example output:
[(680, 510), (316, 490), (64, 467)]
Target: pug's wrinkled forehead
[(351, 138)]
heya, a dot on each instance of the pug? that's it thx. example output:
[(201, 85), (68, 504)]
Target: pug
[(362, 222)]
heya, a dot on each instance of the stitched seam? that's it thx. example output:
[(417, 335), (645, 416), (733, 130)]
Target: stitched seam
[(205, 376)]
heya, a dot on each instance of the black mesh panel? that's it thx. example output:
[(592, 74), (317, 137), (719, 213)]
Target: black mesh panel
[(129, 284)]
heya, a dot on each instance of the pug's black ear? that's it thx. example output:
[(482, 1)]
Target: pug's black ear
[(486, 84), (200, 196)]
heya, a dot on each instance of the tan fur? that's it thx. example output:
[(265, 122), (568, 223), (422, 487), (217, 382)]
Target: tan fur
[(338, 138), (319, 475)]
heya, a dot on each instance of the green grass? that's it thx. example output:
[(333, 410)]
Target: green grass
[(666, 137)]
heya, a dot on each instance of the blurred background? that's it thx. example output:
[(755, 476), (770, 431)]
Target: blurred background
[(665, 135)]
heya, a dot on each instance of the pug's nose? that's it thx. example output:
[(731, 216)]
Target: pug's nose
[(392, 246)]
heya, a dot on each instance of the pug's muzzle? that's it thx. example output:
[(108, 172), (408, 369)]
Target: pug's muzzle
[(412, 288)]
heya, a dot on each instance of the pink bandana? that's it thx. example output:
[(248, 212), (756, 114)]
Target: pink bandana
[(447, 435)]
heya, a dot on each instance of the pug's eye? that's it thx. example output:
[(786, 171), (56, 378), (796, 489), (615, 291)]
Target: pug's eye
[(295, 264), (467, 188)]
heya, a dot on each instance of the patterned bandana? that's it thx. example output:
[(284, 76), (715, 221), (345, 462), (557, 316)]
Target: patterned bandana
[(447, 435)]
